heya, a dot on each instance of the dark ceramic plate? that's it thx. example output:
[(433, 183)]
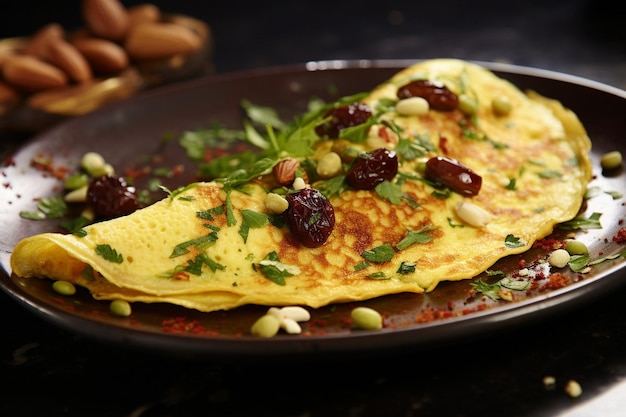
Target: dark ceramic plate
[(126, 132)]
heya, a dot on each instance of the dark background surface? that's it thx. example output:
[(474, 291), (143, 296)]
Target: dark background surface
[(47, 371), (585, 38)]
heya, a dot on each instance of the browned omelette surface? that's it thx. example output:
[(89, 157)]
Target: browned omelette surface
[(534, 166)]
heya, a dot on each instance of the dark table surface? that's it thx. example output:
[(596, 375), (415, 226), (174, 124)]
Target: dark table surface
[(48, 371)]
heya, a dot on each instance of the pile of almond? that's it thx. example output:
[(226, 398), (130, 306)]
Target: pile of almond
[(114, 39)]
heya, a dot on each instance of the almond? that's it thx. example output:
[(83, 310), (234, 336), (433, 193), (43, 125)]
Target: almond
[(143, 13), (65, 56), (106, 18), (7, 94), (43, 99), (82, 98), (32, 74), (38, 43), (104, 56), (285, 171), (160, 40), (4, 56)]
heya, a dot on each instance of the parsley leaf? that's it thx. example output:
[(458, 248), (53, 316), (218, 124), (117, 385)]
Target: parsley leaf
[(494, 291), (406, 268), (110, 254), (379, 254), (196, 142), (251, 219), (412, 149), (415, 236), (582, 222), (75, 226), (275, 271), (390, 191), (208, 214), (173, 193), (53, 207), (200, 243), (578, 262), (333, 186), (195, 266), (512, 242)]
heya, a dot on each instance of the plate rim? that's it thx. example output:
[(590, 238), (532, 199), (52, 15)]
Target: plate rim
[(470, 325)]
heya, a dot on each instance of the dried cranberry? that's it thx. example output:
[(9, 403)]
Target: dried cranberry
[(342, 117), (370, 169), (310, 217), (453, 175), (438, 96), (111, 196)]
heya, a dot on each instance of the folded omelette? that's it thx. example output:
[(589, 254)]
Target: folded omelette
[(519, 165)]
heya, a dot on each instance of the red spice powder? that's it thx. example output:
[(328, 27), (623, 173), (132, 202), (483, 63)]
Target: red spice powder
[(479, 307), (549, 244), (180, 325), (558, 280), (429, 315), (45, 163), (620, 236)]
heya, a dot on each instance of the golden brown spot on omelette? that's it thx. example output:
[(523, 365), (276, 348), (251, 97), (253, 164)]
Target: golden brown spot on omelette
[(357, 225)]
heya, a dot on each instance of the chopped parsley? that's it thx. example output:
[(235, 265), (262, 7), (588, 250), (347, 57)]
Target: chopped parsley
[(512, 242), (582, 222), (252, 220), (200, 243), (47, 208), (415, 236), (194, 266), (276, 271), (379, 254), (406, 268), (495, 291), (108, 253)]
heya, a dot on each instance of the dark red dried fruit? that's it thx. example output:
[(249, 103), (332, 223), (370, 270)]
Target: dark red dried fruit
[(111, 196), (342, 117), (310, 217), (453, 175), (370, 169), (438, 96)]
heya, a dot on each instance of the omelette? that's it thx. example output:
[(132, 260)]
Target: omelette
[(432, 176)]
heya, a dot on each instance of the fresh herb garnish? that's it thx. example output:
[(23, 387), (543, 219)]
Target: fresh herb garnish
[(582, 222), (472, 134), (200, 243), (48, 208), (215, 137), (379, 254), (495, 290), (251, 219), (512, 242), (410, 149), (208, 214), (108, 253), (390, 191), (195, 266), (276, 271), (548, 174), (174, 193), (406, 268), (75, 225), (578, 262), (415, 236)]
